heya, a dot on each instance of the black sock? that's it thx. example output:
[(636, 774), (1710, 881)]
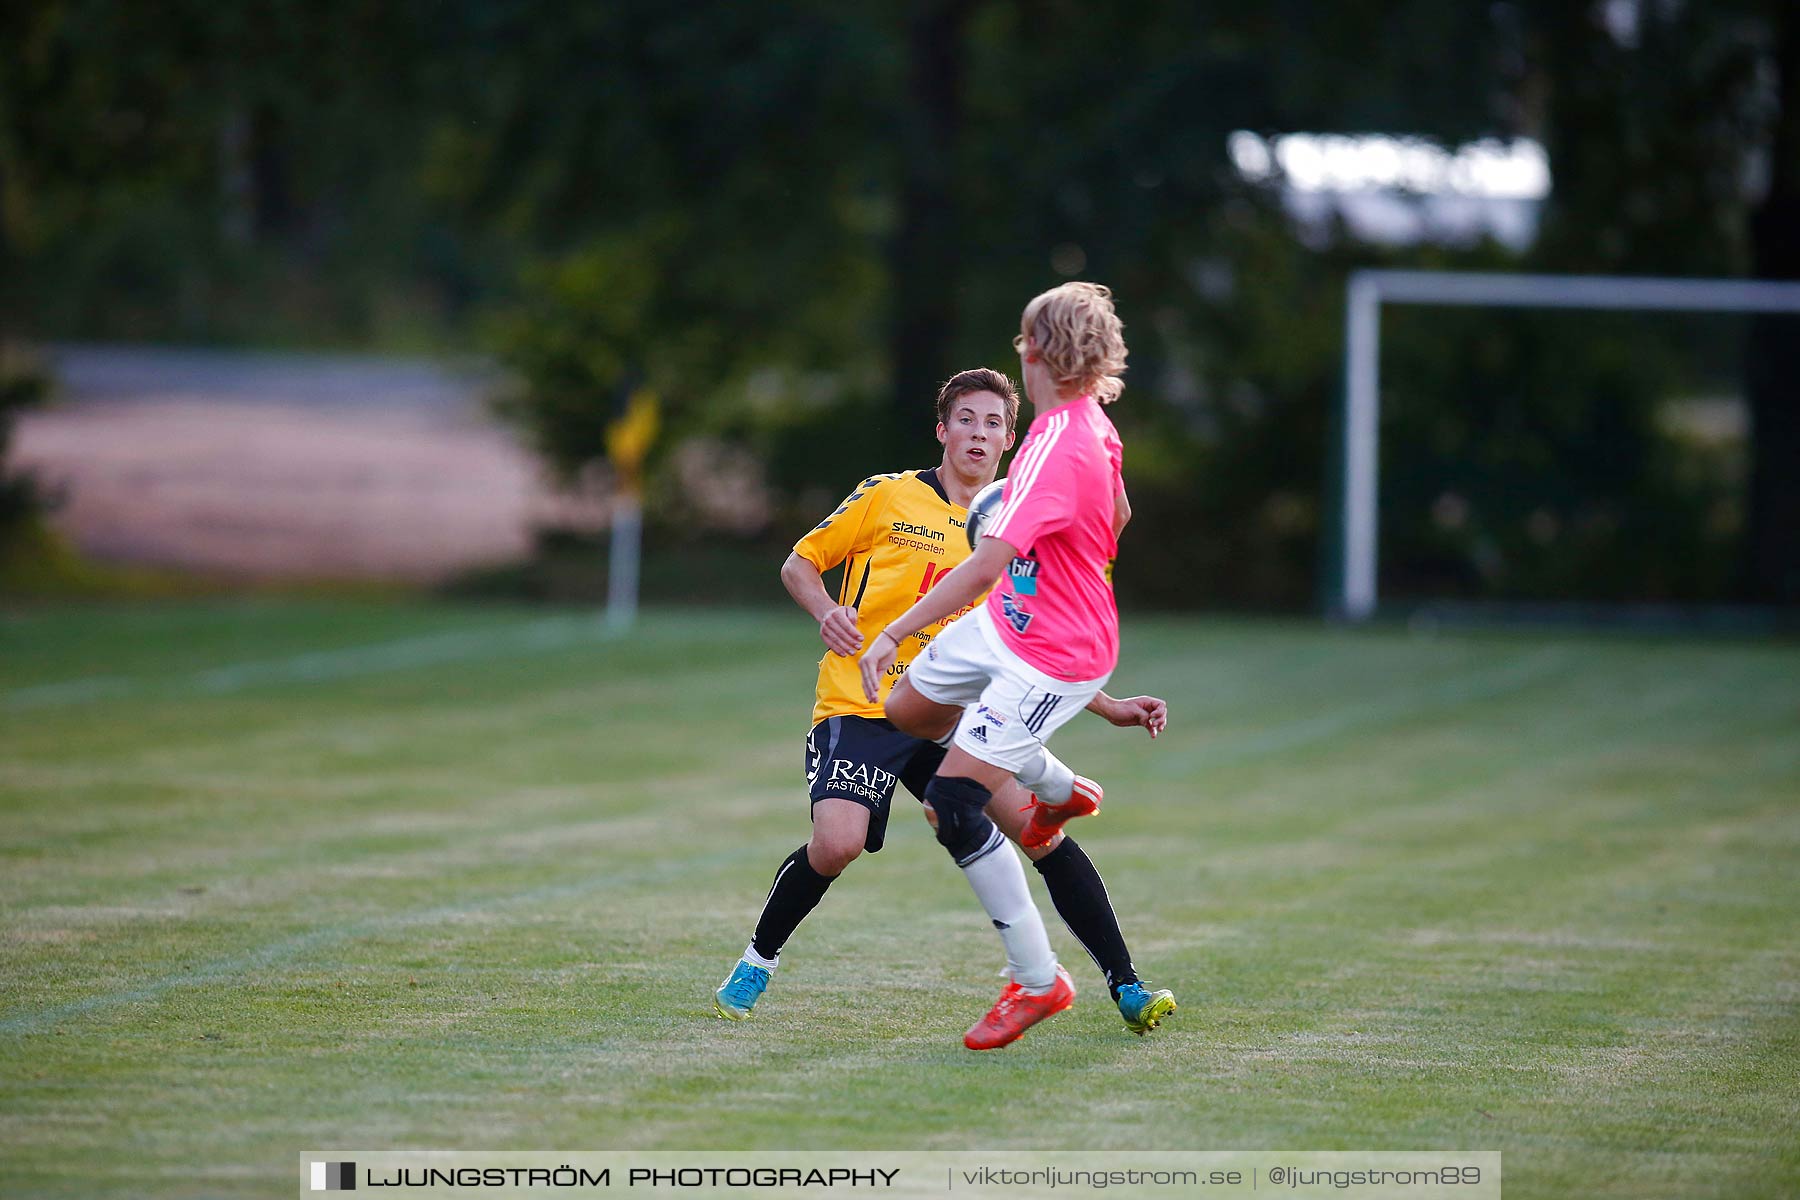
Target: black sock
[(1081, 901), (797, 891)]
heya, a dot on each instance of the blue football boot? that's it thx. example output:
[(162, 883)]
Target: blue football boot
[(1144, 1009), (741, 990)]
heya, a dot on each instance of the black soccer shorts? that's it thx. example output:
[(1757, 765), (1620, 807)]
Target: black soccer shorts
[(860, 759)]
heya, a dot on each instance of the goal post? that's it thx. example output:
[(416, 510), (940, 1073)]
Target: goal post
[(1354, 595)]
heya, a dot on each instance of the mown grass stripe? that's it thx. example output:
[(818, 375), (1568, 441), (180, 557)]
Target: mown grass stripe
[(319, 666)]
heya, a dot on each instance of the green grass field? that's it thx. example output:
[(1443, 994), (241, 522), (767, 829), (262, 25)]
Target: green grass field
[(280, 877)]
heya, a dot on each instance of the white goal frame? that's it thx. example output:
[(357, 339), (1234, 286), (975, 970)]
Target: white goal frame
[(1354, 596)]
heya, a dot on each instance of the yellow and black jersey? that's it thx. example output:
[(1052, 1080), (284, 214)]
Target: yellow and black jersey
[(897, 536)]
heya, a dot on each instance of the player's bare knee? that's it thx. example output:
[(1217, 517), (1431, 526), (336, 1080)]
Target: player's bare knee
[(830, 855)]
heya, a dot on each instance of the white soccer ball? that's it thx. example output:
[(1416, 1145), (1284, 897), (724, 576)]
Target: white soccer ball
[(983, 509)]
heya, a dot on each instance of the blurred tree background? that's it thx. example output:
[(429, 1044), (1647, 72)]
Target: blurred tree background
[(790, 220)]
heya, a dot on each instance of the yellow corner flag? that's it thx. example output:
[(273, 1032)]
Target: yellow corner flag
[(629, 438)]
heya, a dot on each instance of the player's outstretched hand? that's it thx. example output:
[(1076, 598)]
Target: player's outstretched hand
[(875, 661), (1149, 711), (840, 632)]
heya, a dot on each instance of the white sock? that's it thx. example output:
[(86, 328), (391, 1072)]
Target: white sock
[(998, 878), (1048, 777), (757, 960)]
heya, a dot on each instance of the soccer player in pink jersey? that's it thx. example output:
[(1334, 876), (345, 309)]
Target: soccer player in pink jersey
[(996, 684)]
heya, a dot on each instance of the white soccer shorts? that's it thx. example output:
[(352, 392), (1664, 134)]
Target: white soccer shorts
[(1010, 708)]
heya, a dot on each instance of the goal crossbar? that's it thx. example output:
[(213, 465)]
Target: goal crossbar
[(1368, 290)]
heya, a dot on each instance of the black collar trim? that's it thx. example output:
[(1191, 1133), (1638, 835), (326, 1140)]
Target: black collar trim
[(930, 478)]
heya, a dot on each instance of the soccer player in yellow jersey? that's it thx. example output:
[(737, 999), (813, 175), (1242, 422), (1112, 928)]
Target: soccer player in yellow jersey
[(896, 536)]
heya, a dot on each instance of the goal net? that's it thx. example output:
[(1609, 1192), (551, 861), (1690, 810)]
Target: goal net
[(1542, 439)]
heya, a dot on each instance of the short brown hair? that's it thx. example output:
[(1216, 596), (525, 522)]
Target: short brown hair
[(1079, 337), (981, 379)]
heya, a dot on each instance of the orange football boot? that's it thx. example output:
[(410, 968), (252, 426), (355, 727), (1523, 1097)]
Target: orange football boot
[(1047, 819), (1018, 1010)]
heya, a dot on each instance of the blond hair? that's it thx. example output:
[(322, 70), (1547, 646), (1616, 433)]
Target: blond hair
[(1079, 337)]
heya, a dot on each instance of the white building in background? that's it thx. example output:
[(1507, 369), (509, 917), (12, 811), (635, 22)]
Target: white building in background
[(1402, 190)]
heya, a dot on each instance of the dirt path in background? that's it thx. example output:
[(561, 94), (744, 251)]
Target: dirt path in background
[(283, 468)]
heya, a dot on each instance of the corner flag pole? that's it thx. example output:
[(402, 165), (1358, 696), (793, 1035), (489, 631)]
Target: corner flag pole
[(628, 441)]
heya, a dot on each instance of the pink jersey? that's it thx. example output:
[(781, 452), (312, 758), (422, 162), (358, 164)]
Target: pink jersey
[(1054, 607)]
